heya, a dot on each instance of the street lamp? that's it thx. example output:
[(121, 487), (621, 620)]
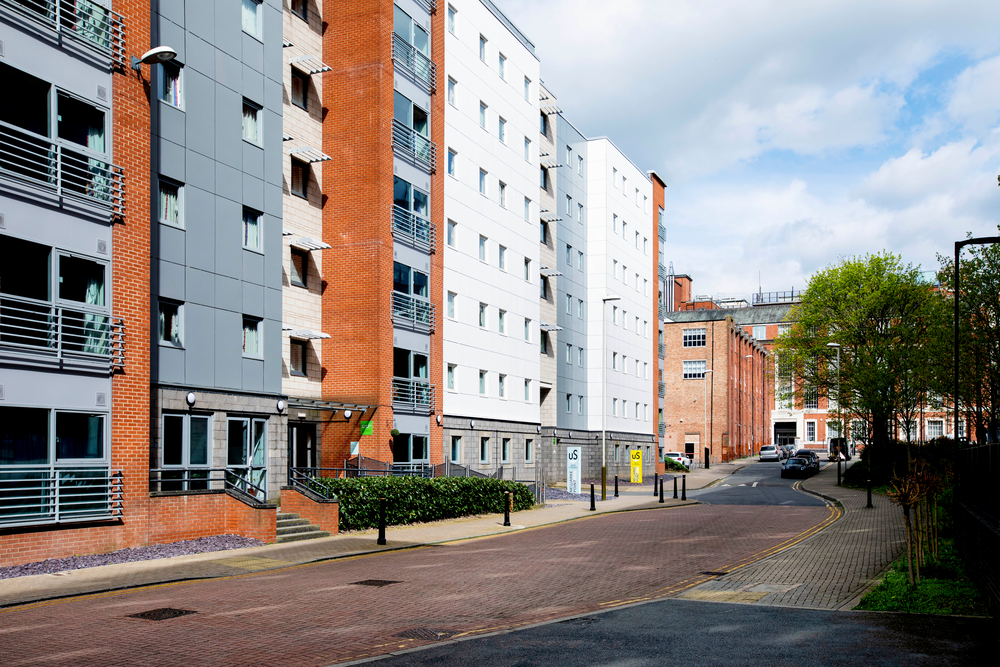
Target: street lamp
[(750, 357), (709, 448), (604, 394), (836, 346)]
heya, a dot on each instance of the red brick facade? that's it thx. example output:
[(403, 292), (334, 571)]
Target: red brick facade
[(325, 515)]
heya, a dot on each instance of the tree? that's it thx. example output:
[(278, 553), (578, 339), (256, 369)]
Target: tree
[(979, 337), (887, 320)]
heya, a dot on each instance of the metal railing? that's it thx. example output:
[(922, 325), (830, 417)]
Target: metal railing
[(661, 232), (409, 311), (95, 27), (661, 429), (978, 473), (413, 395), (34, 160), (430, 6), (414, 145), (791, 296), (663, 272), (62, 332), (33, 495), (423, 68), (246, 480), (661, 389), (410, 227), (662, 350)]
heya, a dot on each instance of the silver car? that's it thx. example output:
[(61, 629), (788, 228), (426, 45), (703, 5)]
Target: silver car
[(770, 453)]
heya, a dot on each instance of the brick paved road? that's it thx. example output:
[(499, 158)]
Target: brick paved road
[(314, 615)]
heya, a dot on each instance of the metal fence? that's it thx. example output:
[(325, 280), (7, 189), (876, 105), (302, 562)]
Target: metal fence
[(977, 517), (94, 26), (33, 495), (250, 481), (422, 67), (978, 476)]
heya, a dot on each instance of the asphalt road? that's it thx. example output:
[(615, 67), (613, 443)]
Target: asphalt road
[(758, 484), (681, 632)]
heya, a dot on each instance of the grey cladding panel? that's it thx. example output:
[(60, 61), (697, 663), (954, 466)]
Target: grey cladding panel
[(272, 356), (201, 57), (272, 251), (273, 199), (174, 10), (228, 238), (199, 101), (228, 71), (199, 325), (172, 244), (253, 300), (171, 160), (200, 18), (200, 287), (253, 52), (171, 280), (171, 364), (228, 27), (228, 294), (273, 95), (253, 85), (171, 34), (272, 303), (253, 166), (228, 349), (228, 126), (272, 50), (172, 123), (200, 169), (199, 220), (253, 375), (229, 183), (253, 264)]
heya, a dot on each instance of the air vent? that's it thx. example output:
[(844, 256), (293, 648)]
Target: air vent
[(1, 392), (102, 93), (378, 583), (161, 614), (102, 247), (3, 225), (102, 398)]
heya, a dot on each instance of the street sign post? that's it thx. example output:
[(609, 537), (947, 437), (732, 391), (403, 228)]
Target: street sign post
[(573, 470), (636, 455)]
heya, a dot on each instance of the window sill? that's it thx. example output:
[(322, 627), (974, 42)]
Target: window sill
[(301, 195), (298, 374), (164, 343), (257, 37), (298, 284), (253, 250), (254, 358), (253, 143), (304, 107), (171, 104)]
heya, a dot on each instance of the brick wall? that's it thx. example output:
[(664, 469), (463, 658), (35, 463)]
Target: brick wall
[(190, 516), (324, 515)]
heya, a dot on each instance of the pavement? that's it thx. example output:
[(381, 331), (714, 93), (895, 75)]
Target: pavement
[(35, 588)]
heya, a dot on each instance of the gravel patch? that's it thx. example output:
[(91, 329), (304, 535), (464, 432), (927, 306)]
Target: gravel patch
[(133, 555)]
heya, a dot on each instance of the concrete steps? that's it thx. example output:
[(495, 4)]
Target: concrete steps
[(291, 528)]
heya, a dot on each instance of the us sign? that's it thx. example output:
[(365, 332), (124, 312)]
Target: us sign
[(573, 470), (636, 466)]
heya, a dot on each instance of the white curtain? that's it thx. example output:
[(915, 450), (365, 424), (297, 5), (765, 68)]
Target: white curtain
[(251, 231), (251, 132), (100, 182), (93, 23), (251, 339), (95, 327), (169, 205), (251, 9)]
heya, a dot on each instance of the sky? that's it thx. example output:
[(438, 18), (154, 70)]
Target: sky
[(790, 134)]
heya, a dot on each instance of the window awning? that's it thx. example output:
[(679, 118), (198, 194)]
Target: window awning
[(287, 137), (306, 334), (285, 232), (549, 327), (309, 64), (547, 272), (550, 217), (285, 44), (309, 154), (305, 243), (550, 163), (551, 109)]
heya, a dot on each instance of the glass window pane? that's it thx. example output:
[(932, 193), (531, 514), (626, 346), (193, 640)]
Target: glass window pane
[(420, 203), (24, 436), (401, 193), (259, 451), (300, 263), (79, 436), (198, 441), (419, 366), (80, 123), (402, 109), (81, 280), (24, 268), (401, 23), (237, 441), (419, 448), (173, 440), (421, 42), (400, 278), (421, 285)]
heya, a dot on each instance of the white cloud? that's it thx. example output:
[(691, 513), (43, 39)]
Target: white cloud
[(975, 101)]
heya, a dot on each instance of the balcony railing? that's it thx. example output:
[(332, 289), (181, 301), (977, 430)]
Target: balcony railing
[(662, 311), (422, 68), (91, 25), (414, 145), (411, 228), (412, 312), (64, 333), (662, 351), (412, 395), (71, 174), (661, 232), (663, 272), (429, 5), (33, 495), (250, 481), (661, 389), (661, 429)]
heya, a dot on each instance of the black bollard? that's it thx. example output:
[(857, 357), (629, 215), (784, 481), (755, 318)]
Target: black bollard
[(661, 490), (656, 476), (616, 486), (506, 508), (870, 506), (838, 472), (675, 487), (593, 504), (381, 522), (708, 463), (684, 487)]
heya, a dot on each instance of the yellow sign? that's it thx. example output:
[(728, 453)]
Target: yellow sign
[(636, 466)]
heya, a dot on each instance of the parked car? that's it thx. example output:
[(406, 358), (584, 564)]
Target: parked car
[(770, 453), (680, 458), (813, 458), (789, 451), (797, 466)]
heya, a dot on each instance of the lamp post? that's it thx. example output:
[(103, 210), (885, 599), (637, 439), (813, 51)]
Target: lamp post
[(836, 346), (750, 357), (604, 394), (709, 448)]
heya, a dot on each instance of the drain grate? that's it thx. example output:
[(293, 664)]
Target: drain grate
[(425, 633), (375, 582), (715, 574), (161, 614), (585, 620)]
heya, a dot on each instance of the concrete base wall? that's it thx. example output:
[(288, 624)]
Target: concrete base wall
[(556, 441)]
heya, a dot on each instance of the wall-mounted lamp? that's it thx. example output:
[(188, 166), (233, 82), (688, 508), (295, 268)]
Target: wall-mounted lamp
[(472, 423), (301, 415), (347, 414), (538, 429), (281, 406), (160, 54), (439, 420), (190, 398)]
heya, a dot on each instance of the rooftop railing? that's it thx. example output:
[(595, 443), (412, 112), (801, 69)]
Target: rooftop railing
[(88, 23), (422, 68), (413, 229), (35, 495), (412, 395), (791, 296), (414, 145)]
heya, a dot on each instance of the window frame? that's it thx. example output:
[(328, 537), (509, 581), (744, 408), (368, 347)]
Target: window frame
[(164, 68), (259, 118), (186, 446), (178, 307), (694, 369), (259, 247), (258, 18), (694, 337), (160, 181), (260, 337), (303, 279), (304, 170), (303, 346), (303, 80)]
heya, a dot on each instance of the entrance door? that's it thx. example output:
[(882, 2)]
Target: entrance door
[(784, 433), (246, 463), (303, 451)]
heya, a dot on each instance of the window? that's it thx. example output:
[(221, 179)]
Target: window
[(579, 405), (784, 329), (482, 383), (543, 343), (529, 450), (456, 440), (482, 182), (251, 17), (299, 268), (452, 229), (543, 181), (527, 329), (482, 48), (760, 332), (252, 344), (301, 9), (637, 236), (451, 162), (502, 66), (645, 328), (482, 315), (614, 268), (414, 117), (624, 409), (300, 89), (624, 229), (614, 177), (645, 370), (300, 178), (614, 407), (543, 235), (637, 329), (451, 90), (502, 194), (569, 256), (579, 357), (579, 165), (170, 85), (527, 87), (252, 229), (543, 289), (693, 337), (618, 452), (579, 260), (527, 269), (614, 314), (503, 386), (810, 431), (569, 205), (811, 398), (579, 212), (935, 429), (569, 353), (410, 31), (409, 365), (484, 450), (527, 148), (645, 287), (645, 245), (569, 403), (170, 324), (637, 368), (251, 118), (482, 248), (694, 370), (451, 305), (482, 115), (579, 308), (543, 124), (451, 19), (502, 322), (502, 130), (614, 222), (569, 304), (502, 258), (614, 361), (297, 357), (527, 209), (169, 204), (185, 443), (569, 156)]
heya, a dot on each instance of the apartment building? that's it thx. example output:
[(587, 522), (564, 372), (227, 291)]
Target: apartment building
[(548, 216), (491, 262)]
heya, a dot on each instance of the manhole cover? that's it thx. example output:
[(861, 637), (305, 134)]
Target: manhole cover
[(586, 620), (715, 574), (425, 633), (375, 582), (161, 614)]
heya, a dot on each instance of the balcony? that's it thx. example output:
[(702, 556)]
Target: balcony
[(35, 163), (662, 311), (38, 495), (86, 23), (63, 334), (430, 6), (661, 389), (663, 272), (662, 351), (412, 396), (414, 146), (661, 232), (410, 228), (412, 313), (421, 69), (661, 429)]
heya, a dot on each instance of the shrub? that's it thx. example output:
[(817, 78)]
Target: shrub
[(420, 499), (675, 466)]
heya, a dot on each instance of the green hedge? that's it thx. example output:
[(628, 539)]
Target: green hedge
[(419, 499), (675, 466)]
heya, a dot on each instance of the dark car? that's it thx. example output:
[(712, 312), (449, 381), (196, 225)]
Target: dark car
[(796, 466), (813, 458)]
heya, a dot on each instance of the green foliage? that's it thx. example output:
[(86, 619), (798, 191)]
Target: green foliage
[(672, 465), (420, 499), (944, 589)]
